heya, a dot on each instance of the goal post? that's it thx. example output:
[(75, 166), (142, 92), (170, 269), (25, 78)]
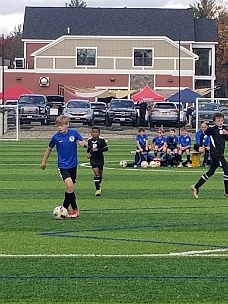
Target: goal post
[(9, 122), (218, 100)]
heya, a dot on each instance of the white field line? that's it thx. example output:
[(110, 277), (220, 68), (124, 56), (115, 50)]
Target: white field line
[(203, 253)]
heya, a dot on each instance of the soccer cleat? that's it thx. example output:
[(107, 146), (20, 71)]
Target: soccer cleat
[(225, 194), (74, 213), (189, 165), (180, 165), (195, 191), (98, 192)]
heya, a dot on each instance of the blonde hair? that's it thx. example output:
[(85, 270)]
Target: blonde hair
[(62, 120)]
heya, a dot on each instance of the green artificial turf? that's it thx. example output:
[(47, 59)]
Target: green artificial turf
[(131, 245)]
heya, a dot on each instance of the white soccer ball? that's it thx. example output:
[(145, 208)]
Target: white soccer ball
[(153, 164), (123, 163), (60, 213), (144, 164)]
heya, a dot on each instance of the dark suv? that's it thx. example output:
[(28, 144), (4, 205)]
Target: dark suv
[(33, 107), (56, 104), (122, 111), (99, 112)]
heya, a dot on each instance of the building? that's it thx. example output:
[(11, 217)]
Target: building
[(122, 48)]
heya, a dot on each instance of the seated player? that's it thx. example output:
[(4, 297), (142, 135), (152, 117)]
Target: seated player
[(159, 143), (142, 147), (202, 144), (172, 148), (184, 147)]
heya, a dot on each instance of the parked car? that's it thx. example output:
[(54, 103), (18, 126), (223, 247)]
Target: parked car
[(33, 107), (205, 113), (79, 111), (99, 112), (11, 112), (122, 111), (164, 113), (56, 104)]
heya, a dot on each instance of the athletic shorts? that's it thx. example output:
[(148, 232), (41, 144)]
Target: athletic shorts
[(182, 151), (65, 173), (97, 164)]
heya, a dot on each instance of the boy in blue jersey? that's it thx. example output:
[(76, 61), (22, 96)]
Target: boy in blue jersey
[(66, 141), (184, 147), (202, 144), (172, 148), (95, 152), (142, 147), (159, 143)]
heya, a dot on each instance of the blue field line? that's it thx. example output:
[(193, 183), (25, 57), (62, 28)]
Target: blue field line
[(112, 277)]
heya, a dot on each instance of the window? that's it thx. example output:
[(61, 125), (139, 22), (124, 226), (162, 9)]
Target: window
[(86, 56), (203, 64), (143, 57)]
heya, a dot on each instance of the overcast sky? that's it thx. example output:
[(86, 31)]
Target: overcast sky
[(12, 11)]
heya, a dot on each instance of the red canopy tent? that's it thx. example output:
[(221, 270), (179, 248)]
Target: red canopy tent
[(14, 92), (147, 94)]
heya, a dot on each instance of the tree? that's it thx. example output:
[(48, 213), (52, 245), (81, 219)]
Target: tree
[(13, 45), (204, 9), (76, 3)]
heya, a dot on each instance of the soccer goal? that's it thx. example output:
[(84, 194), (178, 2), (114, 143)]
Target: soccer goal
[(205, 108), (9, 122)]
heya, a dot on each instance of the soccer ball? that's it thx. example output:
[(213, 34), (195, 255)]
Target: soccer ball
[(157, 162), (144, 164), (153, 164), (60, 213), (123, 163)]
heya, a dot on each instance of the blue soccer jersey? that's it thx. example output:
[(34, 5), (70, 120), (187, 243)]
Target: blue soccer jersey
[(172, 142), (159, 141), (202, 139), (142, 140), (185, 140), (66, 146)]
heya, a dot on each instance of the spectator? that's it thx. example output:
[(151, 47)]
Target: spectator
[(202, 144)]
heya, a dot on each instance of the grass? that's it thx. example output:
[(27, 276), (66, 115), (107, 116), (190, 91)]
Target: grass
[(121, 249)]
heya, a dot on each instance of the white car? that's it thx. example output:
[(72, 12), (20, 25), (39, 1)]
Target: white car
[(79, 111)]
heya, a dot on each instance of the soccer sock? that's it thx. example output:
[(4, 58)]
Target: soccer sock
[(176, 157), (73, 201), (201, 181), (97, 181), (179, 158), (155, 153), (67, 200), (167, 159), (225, 179), (188, 158), (101, 179)]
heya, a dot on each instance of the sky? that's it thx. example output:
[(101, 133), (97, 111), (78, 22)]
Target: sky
[(12, 11)]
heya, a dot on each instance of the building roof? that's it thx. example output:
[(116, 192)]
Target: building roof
[(50, 23)]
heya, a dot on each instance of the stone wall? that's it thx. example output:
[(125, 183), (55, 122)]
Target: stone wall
[(138, 82)]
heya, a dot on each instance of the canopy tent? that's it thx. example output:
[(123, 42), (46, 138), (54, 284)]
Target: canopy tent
[(100, 93), (186, 95), (147, 94), (14, 92)]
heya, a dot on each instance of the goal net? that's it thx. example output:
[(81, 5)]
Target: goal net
[(9, 122), (205, 109)]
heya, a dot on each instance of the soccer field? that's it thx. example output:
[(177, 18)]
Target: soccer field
[(145, 240)]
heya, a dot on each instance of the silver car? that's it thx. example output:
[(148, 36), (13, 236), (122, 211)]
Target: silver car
[(164, 113), (79, 111)]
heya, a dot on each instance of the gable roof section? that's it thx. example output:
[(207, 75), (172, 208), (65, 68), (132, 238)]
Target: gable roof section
[(50, 23), (59, 40)]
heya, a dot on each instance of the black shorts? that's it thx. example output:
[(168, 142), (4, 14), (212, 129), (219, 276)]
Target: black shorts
[(65, 173), (184, 151), (97, 164)]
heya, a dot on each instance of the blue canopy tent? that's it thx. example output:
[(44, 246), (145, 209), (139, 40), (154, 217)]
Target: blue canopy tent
[(186, 95)]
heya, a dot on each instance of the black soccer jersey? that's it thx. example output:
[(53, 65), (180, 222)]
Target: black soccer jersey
[(217, 140), (102, 146)]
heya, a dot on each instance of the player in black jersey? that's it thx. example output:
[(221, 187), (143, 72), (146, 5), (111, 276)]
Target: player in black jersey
[(96, 146), (218, 135)]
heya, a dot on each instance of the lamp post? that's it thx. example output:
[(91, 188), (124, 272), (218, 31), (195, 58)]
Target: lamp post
[(179, 82), (3, 79)]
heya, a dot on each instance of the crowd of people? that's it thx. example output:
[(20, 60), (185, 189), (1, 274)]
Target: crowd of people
[(171, 149)]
